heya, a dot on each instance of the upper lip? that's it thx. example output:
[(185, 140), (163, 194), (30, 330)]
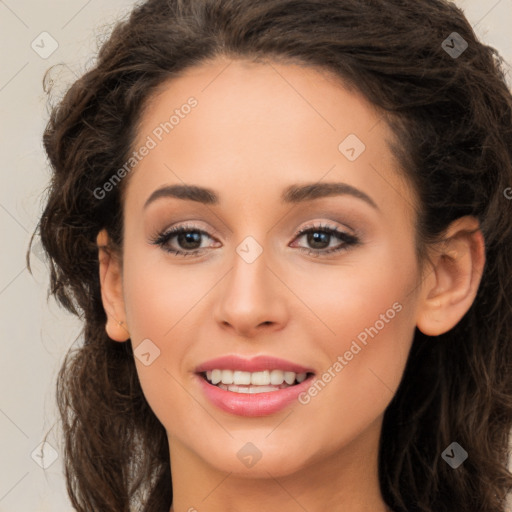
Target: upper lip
[(255, 364)]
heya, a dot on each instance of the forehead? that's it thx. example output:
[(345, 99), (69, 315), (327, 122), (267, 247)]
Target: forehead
[(260, 126)]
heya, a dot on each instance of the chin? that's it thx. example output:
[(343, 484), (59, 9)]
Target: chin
[(257, 459)]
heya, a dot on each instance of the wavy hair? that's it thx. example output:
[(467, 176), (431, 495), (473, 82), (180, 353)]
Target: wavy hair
[(452, 117)]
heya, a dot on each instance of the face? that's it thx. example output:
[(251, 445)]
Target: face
[(325, 279)]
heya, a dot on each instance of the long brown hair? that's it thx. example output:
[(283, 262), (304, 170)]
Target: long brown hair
[(452, 114)]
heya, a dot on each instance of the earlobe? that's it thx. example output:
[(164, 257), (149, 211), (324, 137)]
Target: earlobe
[(452, 284), (111, 290)]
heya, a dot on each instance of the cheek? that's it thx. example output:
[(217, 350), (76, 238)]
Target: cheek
[(365, 368), (370, 312), (366, 297), (158, 294), (163, 302)]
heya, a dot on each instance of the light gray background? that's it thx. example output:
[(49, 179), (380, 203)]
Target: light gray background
[(35, 334)]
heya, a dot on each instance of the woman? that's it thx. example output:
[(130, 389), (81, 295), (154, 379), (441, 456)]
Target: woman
[(285, 225)]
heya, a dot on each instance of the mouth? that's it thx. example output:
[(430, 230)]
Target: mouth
[(259, 386), (266, 381), (253, 394)]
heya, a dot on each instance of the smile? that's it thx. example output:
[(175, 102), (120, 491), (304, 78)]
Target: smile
[(239, 381), (258, 386)]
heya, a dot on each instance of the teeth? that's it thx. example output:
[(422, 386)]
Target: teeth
[(240, 377), (227, 377), (276, 377), (216, 376), (260, 378), (289, 377), (266, 378), (248, 389)]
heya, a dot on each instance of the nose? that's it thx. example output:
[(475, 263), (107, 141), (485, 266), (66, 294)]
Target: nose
[(252, 299)]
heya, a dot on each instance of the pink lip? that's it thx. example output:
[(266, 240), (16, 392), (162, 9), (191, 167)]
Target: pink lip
[(250, 405), (255, 364), (258, 404)]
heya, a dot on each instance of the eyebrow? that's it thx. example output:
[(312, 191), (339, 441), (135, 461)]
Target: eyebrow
[(293, 194)]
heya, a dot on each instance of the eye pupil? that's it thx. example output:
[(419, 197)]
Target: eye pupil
[(189, 237), (316, 237)]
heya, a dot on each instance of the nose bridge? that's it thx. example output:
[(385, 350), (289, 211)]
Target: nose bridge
[(249, 296), (249, 278)]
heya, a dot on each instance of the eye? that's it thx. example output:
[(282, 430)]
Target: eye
[(188, 238), (320, 237)]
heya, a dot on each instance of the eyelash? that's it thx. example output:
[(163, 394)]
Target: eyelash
[(162, 239)]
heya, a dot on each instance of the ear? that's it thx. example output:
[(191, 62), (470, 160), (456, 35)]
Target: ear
[(111, 289), (451, 286)]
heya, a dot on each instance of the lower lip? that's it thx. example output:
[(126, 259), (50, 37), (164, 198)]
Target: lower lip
[(257, 404)]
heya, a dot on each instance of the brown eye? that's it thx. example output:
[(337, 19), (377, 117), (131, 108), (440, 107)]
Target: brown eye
[(181, 240), (319, 238)]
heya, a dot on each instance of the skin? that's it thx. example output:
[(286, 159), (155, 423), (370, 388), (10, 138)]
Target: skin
[(258, 128)]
